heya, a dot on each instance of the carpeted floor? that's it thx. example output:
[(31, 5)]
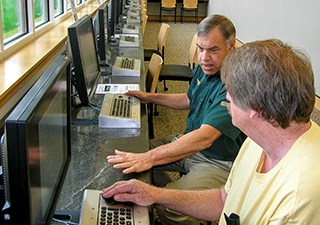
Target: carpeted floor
[(176, 52)]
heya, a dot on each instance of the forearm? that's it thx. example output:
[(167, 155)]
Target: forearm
[(174, 101), (206, 204), (188, 144)]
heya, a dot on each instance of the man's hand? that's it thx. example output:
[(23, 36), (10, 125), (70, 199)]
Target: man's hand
[(130, 162), (131, 191), (143, 96)]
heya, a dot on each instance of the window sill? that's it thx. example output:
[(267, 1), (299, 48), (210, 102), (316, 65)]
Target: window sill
[(17, 69)]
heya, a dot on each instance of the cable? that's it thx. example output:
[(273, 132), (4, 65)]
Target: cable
[(94, 107), (65, 222)]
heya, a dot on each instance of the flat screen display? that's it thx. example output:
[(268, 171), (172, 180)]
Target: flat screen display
[(36, 153), (85, 59)]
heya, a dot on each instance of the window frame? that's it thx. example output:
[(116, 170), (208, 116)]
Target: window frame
[(33, 31), (22, 14)]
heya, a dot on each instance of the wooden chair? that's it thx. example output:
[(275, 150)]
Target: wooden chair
[(152, 78), (180, 72), (162, 39), (144, 22), (190, 6), (168, 5)]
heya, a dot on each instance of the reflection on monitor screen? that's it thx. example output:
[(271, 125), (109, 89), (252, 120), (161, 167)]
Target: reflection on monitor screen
[(36, 148)]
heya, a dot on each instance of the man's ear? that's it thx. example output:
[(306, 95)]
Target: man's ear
[(232, 44), (253, 114)]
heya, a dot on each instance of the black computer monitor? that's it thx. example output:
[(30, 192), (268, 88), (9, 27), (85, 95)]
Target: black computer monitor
[(36, 148), (86, 68), (112, 23), (101, 31)]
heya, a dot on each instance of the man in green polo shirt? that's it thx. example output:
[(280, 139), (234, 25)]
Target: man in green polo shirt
[(207, 149)]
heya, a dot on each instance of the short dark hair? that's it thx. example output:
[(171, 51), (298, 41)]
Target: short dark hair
[(272, 78), (225, 26)]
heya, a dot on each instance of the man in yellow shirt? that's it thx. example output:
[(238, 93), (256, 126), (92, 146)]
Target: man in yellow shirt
[(275, 177)]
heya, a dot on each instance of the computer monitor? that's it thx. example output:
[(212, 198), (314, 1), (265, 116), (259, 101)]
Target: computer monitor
[(101, 30), (112, 23), (85, 59), (35, 148)]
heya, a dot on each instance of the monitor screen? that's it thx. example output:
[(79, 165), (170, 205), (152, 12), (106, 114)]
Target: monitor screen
[(36, 148), (86, 68), (101, 30), (112, 17)]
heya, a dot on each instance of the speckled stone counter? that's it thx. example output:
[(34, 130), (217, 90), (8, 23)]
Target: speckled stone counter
[(91, 145), (88, 167)]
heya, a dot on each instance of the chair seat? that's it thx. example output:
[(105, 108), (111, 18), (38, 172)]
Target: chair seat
[(175, 72), (148, 53)]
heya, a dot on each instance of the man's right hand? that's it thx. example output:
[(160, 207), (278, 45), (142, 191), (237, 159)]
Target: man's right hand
[(143, 96), (130, 162)]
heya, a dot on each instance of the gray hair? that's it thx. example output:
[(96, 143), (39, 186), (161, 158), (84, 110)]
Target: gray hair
[(271, 78), (225, 26)]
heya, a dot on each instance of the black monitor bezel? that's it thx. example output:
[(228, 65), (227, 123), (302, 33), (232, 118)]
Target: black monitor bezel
[(16, 131), (112, 18), (102, 37), (78, 76)]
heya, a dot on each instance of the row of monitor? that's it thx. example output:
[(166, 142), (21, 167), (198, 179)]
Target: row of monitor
[(35, 148), (90, 36)]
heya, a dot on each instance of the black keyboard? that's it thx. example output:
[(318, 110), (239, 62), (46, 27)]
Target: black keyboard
[(127, 63), (121, 107), (115, 213)]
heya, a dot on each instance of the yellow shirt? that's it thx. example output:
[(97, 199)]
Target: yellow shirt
[(287, 194)]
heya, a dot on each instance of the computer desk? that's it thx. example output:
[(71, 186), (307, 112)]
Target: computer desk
[(91, 145)]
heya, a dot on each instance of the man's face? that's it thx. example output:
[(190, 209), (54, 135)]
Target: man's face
[(240, 117), (212, 50)]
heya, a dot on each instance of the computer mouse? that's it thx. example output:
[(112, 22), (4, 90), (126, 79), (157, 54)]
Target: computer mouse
[(110, 200)]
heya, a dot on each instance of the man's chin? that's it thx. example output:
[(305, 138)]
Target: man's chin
[(210, 72)]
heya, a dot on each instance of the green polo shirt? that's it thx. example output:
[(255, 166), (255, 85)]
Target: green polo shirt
[(205, 94)]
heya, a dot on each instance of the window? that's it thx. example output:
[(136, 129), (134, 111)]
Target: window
[(58, 7), (13, 15), (41, 14), (19, 18)]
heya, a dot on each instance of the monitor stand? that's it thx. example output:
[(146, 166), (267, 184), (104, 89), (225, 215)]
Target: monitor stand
[(114, 42), (66, 217), (85, 115)]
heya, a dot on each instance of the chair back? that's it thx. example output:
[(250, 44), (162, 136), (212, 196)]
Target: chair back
[(162, 37), (153, 72), (168, 3), (193, 52), (143, 11), (144, 22), (190, 4)]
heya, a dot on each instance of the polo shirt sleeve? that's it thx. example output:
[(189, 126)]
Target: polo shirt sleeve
[(195, 76), (218, 116)]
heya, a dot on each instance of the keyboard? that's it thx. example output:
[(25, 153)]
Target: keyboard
[(129, 40), (127, 63), (134, 12), (97, 210), (121, 107), (130, 29), (133, 19), (120, 111), (124, 66), (110, 213)]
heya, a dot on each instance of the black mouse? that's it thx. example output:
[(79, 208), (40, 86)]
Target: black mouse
[(110, 200)]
